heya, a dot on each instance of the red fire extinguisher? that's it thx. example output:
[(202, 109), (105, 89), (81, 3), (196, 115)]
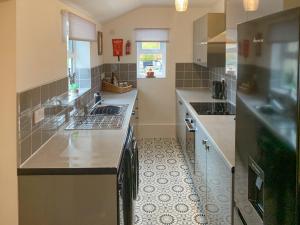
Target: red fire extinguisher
[(128, 47)]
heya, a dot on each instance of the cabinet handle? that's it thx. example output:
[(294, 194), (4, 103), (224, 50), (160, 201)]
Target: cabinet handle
[(204, 142), (207, 147)]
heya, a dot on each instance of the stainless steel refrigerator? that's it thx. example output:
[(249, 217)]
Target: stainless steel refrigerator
[(266, 183)]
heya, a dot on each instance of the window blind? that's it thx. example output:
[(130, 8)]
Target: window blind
[(78, 28), (151, 35)]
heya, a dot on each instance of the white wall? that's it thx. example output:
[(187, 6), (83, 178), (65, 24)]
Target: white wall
[(42, 54), (8, 159), (157, 96)]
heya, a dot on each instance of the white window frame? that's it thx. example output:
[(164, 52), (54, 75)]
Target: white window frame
[(162, 50)]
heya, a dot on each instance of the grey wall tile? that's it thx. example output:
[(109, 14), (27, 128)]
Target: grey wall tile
[(132, 67), (196, 75), (180, 75), (188, 75), (188, 83), (132, 76), (179, 67), (25, 125), (25, 101), (115, 68), (45, 93), (205, 75), (196, 83), (188, 66), (124, 76), (205, 83), (179, 83), (36, 140), (53, 89), (124, 67), (25, 149), (35, 97)]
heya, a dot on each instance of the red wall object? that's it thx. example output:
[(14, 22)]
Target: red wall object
[(117, 47), (244, 48)]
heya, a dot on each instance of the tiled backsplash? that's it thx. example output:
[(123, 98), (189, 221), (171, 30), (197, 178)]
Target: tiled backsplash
[(123, 71), (191, 75), (32, 136), (218, 73)]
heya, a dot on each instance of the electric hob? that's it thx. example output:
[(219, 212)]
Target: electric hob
[(213, 108)]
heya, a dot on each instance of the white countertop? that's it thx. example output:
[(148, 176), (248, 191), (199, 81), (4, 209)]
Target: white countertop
[(220, 128), (85, 149)]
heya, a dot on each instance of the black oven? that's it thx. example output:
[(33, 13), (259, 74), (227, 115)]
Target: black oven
[(190, 142)]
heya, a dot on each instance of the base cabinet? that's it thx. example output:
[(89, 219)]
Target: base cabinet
[(212, 176), (213, 180)]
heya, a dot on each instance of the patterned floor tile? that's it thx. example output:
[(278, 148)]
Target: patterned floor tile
[(166, 194)]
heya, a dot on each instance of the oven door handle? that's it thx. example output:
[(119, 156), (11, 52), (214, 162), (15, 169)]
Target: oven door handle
[(189, 125)]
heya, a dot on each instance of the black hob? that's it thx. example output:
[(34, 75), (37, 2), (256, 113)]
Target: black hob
[(214, 108)]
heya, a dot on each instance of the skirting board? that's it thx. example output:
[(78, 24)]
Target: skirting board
[(156, 130)]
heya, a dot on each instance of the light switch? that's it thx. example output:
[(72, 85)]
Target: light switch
[(38, 115)]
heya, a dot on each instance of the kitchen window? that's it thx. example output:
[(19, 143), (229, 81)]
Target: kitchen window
[(79, 64), (151, 45), (151, 59), (78, 34)]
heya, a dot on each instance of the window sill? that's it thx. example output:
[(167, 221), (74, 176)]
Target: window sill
[(151, 78)]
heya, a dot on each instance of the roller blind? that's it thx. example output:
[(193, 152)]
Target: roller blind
[(78, 28), (151, 35)]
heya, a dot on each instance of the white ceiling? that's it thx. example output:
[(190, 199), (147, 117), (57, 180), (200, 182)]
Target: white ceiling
[(104, 10)]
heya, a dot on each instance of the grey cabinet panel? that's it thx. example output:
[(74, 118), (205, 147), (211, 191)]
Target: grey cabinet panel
[(200, 178), (205, 53), (219, 188), (212, 180)]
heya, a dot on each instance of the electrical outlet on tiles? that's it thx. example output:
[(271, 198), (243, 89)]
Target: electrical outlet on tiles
[(38, 115)]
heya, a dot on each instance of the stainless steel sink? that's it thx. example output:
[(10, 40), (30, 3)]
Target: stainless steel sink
[(107, 110), (101, 117)]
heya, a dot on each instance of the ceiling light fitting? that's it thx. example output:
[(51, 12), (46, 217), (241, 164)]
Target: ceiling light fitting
[(251, 5), (181, 5)]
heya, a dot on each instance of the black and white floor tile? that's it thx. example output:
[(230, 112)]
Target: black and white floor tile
[(166, 193)]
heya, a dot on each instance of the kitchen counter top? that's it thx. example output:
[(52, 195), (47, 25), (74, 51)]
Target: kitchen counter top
[(83, 151), (220, 128)]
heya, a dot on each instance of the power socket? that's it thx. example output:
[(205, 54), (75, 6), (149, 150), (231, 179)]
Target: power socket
[(38, 115)]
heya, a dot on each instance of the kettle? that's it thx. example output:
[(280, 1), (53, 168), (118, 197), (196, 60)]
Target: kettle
[(219, 89)]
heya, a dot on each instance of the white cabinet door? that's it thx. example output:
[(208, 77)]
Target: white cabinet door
[(212, 180), (219, 188), (200, 177)]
